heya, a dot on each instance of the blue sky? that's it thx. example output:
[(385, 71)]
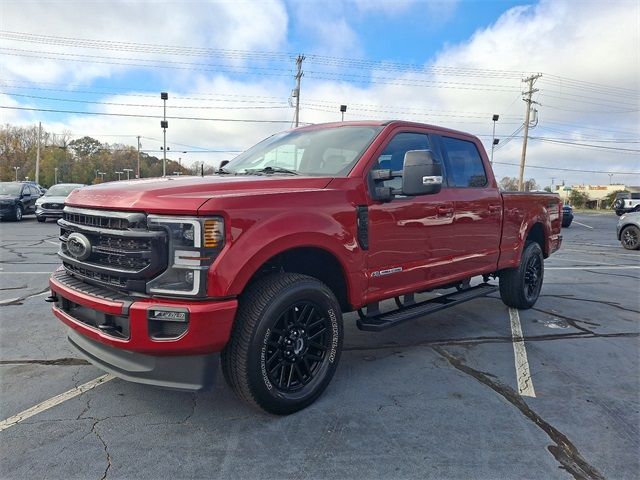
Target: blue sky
[(451, 63)]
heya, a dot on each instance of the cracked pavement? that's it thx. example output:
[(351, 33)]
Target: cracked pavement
[(433, 398)]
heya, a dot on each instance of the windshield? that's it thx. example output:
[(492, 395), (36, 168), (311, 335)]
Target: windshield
[(324, 152), (62, 190), (10, 189)]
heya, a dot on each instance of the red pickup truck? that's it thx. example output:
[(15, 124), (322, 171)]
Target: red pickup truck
[(163, 279)]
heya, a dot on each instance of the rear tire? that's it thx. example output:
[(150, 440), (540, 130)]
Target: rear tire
[(630, 237), (520, 287), (566, 223), (41, 219), (285, 344)]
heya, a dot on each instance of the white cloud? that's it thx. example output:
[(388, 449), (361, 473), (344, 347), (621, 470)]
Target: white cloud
[(204, 24), (566, 39)]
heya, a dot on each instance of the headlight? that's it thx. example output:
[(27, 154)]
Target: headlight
[(193, 245)]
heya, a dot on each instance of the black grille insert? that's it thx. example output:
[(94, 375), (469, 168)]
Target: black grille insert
[(124, 254)]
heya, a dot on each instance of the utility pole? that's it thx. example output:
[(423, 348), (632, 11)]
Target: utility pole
[(296, 92), (530, 80), (38, 153), (138, 156)]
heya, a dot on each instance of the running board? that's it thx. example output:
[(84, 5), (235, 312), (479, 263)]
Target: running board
[(383, 321)]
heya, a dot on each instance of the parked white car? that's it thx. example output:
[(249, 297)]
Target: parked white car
[(627, 202), (50, 205)]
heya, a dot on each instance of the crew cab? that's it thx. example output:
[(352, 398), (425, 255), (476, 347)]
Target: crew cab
[(163, 279)]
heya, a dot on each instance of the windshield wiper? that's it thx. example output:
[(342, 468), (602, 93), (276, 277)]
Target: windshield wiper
[(271, 170)]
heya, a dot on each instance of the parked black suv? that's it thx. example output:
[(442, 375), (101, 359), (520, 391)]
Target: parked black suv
[(17, 199), (567, 216)]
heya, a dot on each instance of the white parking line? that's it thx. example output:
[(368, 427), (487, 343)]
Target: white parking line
[(583, 225), (523, 375), (52, 402), (26, 273), (599, 267), (57, 244)]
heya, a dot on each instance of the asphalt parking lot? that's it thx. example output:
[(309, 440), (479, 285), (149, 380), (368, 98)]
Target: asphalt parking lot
[(448, 396)]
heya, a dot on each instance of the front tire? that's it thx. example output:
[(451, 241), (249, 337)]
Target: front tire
[(520, 287), (630, 237), (17, 214), (41, 219), (285, 344)]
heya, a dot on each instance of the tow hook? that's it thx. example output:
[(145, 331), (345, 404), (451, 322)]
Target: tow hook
[(51, 298)]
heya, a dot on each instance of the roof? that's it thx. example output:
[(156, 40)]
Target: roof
[(383, 123)]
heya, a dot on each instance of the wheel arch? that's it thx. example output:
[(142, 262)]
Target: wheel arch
[(309, 260)]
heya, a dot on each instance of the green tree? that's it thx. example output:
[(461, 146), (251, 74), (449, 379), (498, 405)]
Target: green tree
[(578, 199), (85, 147)]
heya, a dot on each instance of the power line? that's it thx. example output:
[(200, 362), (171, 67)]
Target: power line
[(237, 120), (200, 107), (568, 169)]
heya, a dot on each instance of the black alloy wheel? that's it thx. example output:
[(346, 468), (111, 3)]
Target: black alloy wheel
[(17, 214), (630, 237), (297, 346), (520, 287), (533, 277), (285, 343)]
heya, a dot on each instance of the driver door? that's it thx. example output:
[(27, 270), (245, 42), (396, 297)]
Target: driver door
[(409, 237)]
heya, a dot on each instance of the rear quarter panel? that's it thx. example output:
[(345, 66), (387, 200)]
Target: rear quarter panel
[(521, 211)]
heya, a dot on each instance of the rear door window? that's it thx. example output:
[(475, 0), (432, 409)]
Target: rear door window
[(463, 163)]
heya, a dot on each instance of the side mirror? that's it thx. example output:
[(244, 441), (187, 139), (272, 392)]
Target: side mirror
[(223, 163), (421, 174)]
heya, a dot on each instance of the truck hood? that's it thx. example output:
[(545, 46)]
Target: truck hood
[(185, 195)]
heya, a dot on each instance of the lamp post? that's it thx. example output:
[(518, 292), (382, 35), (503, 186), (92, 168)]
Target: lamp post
[(16, 169), (119, 173), (343, 108), (164, 125), (102, 174), (128, 170), (55, 171), (610, 177), (493, 136)]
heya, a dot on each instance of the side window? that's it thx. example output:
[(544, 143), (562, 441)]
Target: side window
[(393, 155), (34, 191), (463, 163)]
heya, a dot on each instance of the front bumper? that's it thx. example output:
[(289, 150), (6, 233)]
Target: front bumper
[(7, 210), (186, 362), (48, 213)]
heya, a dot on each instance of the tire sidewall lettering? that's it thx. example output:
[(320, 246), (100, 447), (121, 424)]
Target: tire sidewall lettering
[(263, 360), (334, 335)]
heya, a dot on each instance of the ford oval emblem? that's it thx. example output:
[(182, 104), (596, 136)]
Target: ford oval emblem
[(79, 246)]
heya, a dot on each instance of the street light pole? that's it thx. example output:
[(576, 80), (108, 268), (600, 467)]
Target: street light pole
[(55, 169), (119, 173), (610, 177), (128, 170), (493, 137), (16, 169), (164, 125)]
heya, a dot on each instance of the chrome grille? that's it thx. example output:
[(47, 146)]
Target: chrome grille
[(53, 206), (123, 253)]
